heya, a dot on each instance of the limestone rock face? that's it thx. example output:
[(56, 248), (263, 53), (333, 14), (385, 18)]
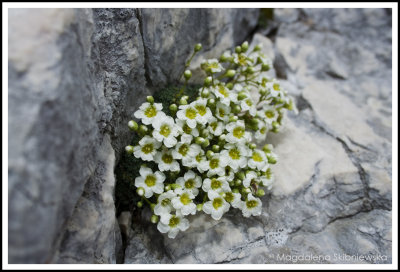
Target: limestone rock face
[(75, 78), (332, 198)]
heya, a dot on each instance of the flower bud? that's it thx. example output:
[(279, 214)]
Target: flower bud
[(271, 159), (236, 191), (252, 146), (222, 137), (238, 49), (245, 46), (215, 148), (185, 97), (238, 182), (187, 74), (241, 175), (129, 149), (263, 92), (209, 154), (205, 143), (198, 47), (173, 108), (230, 73), (260, 192), (236, 109), (175, 186), (242, 95), (211, 102), (265, 67), (229, 85), (267, 148), (140, 191), (139, 204), (205, 93), (154, 219), (150, 99), (143, 129), (257, 47), (208, 81), (250, 70), (183, 101), (133, 125), (199, 140), (233, 118), (199, 207)]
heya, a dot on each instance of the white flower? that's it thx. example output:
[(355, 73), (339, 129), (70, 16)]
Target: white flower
[(214, 166), (187, 133), (252, 206), (274, 88), (270, 113), (166, 161), (250, 176), (261, 133), (150, 182), (233, 199), (218, 185), (212, 65), (146, 149), (217, 205), (248, 105), (173, 225), (183, 202), (215, 127), (185, 152), (267, 179), (187, 113), (196, 159), (241, 59), (237, 133), (164, 206), (235, 155), (203, 112), (190, 182), (258, 160), (148, 112), (222, 112), (165, 130), (224, 94)]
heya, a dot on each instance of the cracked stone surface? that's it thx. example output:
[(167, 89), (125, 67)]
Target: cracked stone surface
[(75, 78), (332, 197)]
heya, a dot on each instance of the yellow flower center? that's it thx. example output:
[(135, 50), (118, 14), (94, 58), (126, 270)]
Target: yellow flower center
[(148, 148), (222, 90), (268, 173), (215, 184), (276, 87), (214, 163), (238, 132), (150, 111), (183, 150), (201, 109), (234, 153), (263, 130), (269, 114), (185, 199), (221, 112), (189, 184), (251, 204), (214, 125), (249, 103), (242, 59), (257, 157), (165, 130), (191, 113), (199, 157), (167, 158), (150, 180), (229, 197), (187, 129), (165, 202), (174, 221), (217, 203)]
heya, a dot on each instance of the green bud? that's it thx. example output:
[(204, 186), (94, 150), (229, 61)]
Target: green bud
[(208, 81), (133, 125), (263, 91), (143, 129), (185, 97), (236, 191), (230, 73), (209, 154), (250, 70), (205, 93), (175, 186), (139, 204), (154, 219), (254, 122), (183, 101), (187, 74), (150, 99), (246, 190), (205, 143), (129, 149), (233, 118), (260, 192), (199, 140), (267, 148), (140, 191), (173, 108), (215, 148), (238, 182), (241, 175), (211, 102), (271, 159), (167, 188), (238, 49), (245, 46), (205, 133), (231, 183), (265, 67), (198, 47), (257, 48), (275, 129), (252, 146), (222, 137), (242, 95), (229, 85), (223, 58), (152, 206), (236, 109), (199, 207)]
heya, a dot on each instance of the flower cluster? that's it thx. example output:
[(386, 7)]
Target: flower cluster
[(202, 156)]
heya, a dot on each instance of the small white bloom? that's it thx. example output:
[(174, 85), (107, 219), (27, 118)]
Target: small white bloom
[(248, 105), (173, 225), (235, 155), (149, 112), (185, 152), (203, 112), (190, 182), (218, 185), (261, 133), (252, 206), (274, 89), (250, 176), (165, 131), (267, 179), (242, 59), (258, 160), (164, 206), (224, 94), (237, 133), (195, 161), (183, 202), (188, 113), (270, 114), (187, 133), (215, 127), (214, 166), (233, 199), (212, 65), (216, 206), (222, 112), (166, 161), (146, 149), (150, 182)]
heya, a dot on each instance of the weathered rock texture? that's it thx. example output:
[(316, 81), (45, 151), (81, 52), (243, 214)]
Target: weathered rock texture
[(332, 198), (75, 78)]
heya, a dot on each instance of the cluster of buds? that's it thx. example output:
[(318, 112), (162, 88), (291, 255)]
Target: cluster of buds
[(203, 157)]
